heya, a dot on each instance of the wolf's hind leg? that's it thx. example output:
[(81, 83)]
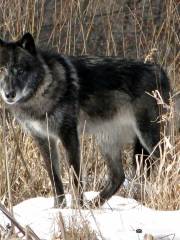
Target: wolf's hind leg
[(147, 140), (112, 156), (137, 155)]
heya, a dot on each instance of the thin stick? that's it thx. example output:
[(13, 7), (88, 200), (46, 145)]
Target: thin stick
[(11, 218), (31, 233), (6, 163)]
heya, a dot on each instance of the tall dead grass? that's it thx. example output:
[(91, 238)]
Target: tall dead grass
[(108, 27)]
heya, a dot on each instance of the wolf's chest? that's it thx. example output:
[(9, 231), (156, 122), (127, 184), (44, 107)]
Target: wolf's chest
[(39, 128)]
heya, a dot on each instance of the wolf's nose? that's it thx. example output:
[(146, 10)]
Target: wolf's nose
[(10, 95)]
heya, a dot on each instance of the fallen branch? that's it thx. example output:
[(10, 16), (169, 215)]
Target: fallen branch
[(17, 225)]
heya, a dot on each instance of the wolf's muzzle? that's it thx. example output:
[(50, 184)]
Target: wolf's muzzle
[(10, 95)]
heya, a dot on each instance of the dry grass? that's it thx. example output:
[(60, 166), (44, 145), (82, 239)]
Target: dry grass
[(103, 27), (74, 230)]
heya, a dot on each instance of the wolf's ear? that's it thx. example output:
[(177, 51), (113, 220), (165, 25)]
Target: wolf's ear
[(27, 43)]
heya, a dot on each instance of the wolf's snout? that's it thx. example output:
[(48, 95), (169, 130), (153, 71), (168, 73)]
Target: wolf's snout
[(10, 94)]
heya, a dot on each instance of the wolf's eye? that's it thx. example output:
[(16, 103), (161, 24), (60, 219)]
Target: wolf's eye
[(17, 71), (14, 71)]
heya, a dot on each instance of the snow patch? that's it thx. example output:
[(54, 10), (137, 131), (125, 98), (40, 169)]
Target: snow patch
[(117, 219)]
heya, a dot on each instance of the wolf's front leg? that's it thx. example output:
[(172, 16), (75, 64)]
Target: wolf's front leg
[(49, 151), (70, 140)]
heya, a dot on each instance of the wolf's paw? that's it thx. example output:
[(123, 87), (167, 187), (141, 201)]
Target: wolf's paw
[(95, 203), (59, 202)]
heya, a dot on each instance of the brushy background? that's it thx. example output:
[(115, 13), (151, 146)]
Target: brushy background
[(140, 29)]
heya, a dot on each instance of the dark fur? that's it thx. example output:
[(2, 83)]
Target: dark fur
[(109, 94)]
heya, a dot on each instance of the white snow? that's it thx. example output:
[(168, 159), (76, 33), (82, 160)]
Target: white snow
[(117, 219)]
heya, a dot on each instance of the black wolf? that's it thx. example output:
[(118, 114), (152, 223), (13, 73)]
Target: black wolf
[(53, 96)]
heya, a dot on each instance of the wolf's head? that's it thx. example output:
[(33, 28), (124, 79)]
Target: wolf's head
[(20, 69)]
